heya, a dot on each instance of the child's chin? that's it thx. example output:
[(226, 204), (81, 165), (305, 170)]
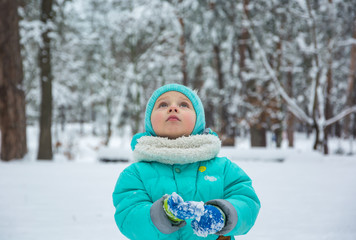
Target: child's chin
[(175, 136), (173, 133)]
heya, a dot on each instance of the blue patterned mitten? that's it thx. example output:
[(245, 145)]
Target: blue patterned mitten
[(178, 210), (211, 222)]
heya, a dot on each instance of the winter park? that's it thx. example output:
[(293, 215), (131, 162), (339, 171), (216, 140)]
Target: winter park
[(177, 119)]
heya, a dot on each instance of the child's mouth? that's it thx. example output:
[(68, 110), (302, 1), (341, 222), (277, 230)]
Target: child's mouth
[(173, 118)]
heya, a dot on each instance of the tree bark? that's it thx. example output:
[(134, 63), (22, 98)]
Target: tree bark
[(225, 131), (290, 116), (258, 136), (351, 95), (227, 135), (328, 107), (242, 48), (108, 123), (183, 56), (257, 132), (45, 140), (209, 113), (315, 112), (12, 97), (275, 105)]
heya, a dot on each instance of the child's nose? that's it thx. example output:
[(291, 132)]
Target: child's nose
[(173, 109)]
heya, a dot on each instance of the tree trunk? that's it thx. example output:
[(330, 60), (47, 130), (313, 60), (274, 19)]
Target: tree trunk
[(227, 135), (108, 132), (209, 114), (183, 56), (315, 112), (62, 117), (316, 115), (317, 141), (198, 80), (258, 136), (279, 137), (337, 129), (290, 116), (257, 132), (81, 119), (108, 122), (275, 105), (220, 75), (242, 48), (93, 118), (353, 126), (351, 95), (328, 108), (12, 97), (45, 141)]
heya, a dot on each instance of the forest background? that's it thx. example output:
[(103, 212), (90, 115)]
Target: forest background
[(259, 66)]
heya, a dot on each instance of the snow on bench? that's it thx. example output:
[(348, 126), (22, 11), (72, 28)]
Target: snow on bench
[(256, 154), (111, 154)]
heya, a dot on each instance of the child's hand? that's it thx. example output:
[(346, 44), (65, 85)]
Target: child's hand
[(178, 210), (211, 222)]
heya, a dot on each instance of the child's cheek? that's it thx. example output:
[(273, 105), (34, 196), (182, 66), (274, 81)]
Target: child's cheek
[(190, 120), (156, 119)]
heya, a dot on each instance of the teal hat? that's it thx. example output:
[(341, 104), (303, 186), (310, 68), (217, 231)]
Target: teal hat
[(190, 94)]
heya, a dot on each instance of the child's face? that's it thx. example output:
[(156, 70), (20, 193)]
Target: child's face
[(173, 115)]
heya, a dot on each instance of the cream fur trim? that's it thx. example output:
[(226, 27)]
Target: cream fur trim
[(182, 150)]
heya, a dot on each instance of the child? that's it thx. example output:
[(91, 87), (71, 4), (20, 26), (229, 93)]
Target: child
[(178, 188)]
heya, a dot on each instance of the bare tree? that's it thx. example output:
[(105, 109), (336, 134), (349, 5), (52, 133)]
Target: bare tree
[(12, 98), (45, 141)]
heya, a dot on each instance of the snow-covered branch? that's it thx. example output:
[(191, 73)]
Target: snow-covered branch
[(347, 42), (340, 116), (293, 106)]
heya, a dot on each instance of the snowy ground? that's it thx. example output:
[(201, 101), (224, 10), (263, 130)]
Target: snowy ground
[(307, 196)]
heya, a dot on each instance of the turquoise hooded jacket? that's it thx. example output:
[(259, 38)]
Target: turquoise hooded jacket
[(195, 173), (189, 166)]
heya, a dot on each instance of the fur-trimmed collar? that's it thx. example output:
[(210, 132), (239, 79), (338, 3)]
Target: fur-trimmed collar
[(182, 150)]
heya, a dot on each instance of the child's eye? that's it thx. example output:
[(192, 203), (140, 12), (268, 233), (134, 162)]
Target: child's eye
[(185, 105), (163, 104)]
